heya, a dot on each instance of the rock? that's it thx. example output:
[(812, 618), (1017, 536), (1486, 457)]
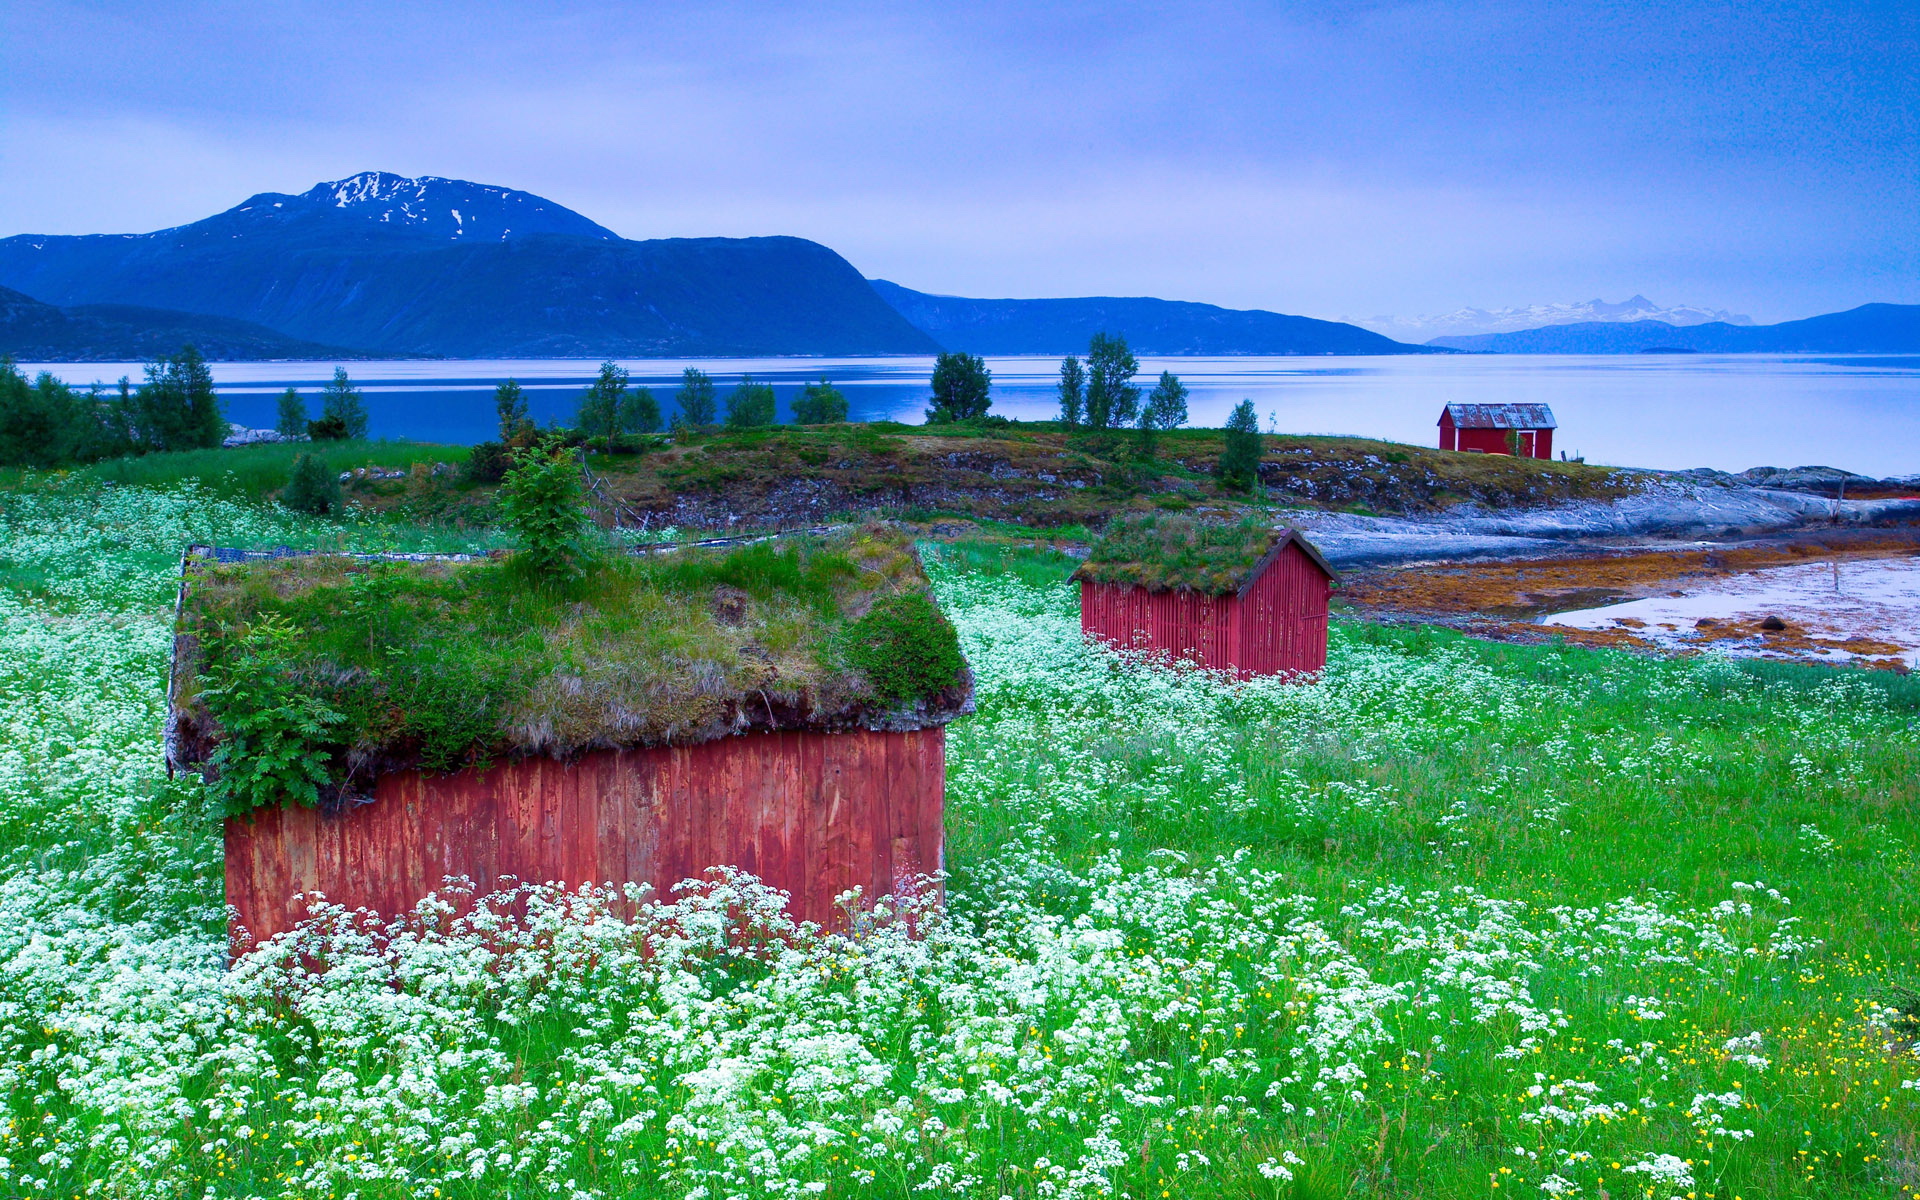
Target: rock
[(1773, 625), (240, 435)]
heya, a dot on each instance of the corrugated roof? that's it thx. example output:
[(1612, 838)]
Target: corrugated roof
[(1502, 416)]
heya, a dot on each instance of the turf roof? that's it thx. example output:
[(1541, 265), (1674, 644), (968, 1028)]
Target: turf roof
[(1180, 553), (440, 665)]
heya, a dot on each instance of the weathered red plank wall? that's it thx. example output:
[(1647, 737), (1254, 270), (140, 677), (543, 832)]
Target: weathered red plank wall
[(1534, 443), (1279, 623), (811, 813)]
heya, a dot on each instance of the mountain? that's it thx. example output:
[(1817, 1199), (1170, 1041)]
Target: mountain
[(33, 331), (444, 267), (1151, 326), (1467, 321), (1869, 329)]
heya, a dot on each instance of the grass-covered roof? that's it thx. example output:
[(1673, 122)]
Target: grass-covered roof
[(1181, 553), (367, 667)]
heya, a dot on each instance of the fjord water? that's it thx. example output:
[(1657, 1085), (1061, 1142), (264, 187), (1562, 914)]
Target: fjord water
[(1670, 411)]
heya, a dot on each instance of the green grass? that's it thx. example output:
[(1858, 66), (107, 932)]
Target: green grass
[(257, 472), (389, 665), (1383, 930)]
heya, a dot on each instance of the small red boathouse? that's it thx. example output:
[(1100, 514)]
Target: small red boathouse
[(690, 709), (1241, 598), (1498, 429)]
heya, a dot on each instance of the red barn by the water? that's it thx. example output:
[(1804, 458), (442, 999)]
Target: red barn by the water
[(1243, 599), (692, 713), (1496, 428)]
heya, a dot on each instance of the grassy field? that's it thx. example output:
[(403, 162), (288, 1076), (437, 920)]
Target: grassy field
[(1456, 920)]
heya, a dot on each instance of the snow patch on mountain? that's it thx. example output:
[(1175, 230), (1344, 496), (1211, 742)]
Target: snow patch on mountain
[(1534, 316)]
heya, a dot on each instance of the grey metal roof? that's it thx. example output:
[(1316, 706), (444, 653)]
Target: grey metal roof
[(1502, 416)]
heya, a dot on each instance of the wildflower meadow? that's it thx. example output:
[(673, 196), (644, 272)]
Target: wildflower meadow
[(1454, 919)]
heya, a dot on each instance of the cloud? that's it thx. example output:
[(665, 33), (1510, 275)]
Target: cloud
[(1319, 158)]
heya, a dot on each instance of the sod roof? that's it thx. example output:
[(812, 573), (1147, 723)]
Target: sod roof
[(444, 664), (1179, 553)]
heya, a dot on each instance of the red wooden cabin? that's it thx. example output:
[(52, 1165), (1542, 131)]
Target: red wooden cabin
[(1265, 616), (814, 790), (1494, 429), (813, 814)]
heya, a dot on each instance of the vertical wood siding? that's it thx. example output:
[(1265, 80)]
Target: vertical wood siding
[(1279, 623), (811, 813)]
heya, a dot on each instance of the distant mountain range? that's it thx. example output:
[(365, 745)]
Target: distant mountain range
[(1869, 329), (33, 331), (444, 267), (1165, 327), (447, 268), (1468, 321)]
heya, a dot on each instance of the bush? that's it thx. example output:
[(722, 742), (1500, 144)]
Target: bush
[(313, 488), (750, 405), (819, 404), (341, 403), (329, 428), (277, 738), (487, 462), (905, 647), (1239, 467), (546, 508), (962, 388)]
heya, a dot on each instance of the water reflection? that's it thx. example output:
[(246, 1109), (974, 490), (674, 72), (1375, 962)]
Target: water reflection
[(1673, 411)]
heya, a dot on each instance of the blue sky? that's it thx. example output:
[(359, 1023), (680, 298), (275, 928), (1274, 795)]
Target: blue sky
[(1329, 158)]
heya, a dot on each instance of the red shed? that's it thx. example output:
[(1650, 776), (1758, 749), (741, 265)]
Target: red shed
[(1242, 598), (1496, 428), (699, 708)]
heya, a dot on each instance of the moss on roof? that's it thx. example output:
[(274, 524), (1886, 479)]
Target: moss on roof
[(381, 666), (1180, 553)]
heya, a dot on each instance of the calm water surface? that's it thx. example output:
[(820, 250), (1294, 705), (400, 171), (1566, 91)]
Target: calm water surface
[(1730, 412)]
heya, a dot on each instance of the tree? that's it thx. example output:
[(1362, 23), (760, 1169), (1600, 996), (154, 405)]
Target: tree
[(961, 383), (342, 408), (695, 398), (1239, 467), (313, 488), (600, 407), (1112, 399), (750, 404), (819, 404), (510, 404), (291, 422), (1073, 400), (546, 508), (176, 408), (1166, 408), (639, 412)]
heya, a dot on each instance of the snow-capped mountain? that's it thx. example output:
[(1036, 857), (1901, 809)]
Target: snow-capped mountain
[(396, 265), (429, 207), (1467, 321)]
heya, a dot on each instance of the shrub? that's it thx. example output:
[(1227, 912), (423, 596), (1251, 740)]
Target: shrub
[(695, 398), (313, 488), (291, 420), (750, 404), (819, 404), (328, 429), (905, 647), (961, 388), (546, 508), (1239, 467), (341, 404), (487, 462), (276, 738), (639, 412)]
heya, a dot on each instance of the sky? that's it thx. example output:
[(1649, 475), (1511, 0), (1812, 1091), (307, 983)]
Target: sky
[(1333, 158)]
